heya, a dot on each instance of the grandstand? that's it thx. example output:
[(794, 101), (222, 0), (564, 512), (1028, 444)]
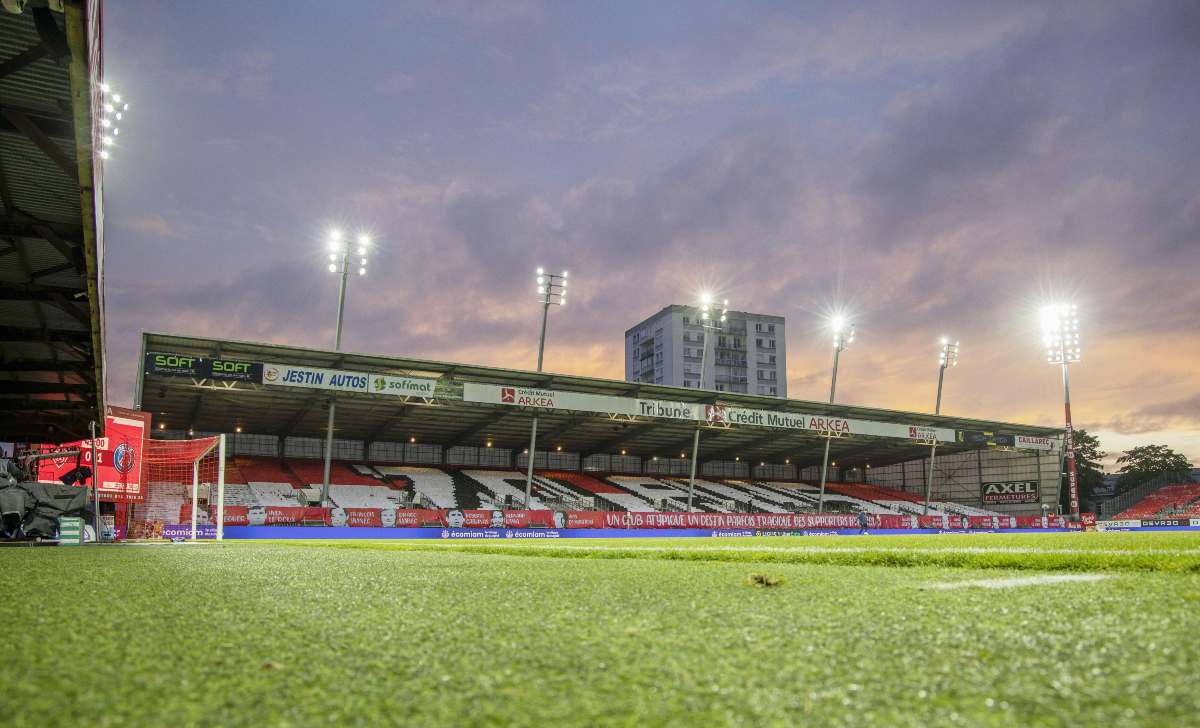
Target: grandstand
[(458, 442), (1177, 499)]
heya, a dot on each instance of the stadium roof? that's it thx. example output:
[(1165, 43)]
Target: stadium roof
[(206, 405), (51, 230)]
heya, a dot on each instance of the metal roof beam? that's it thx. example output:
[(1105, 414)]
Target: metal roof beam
[(390, 421), (35, 134), (22, 59), (475, 429)]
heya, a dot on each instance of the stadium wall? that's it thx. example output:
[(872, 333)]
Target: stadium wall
[(959, 477)]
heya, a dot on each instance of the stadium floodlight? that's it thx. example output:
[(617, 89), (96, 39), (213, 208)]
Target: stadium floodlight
[(712, 317), (947, 357), (1060, 336), (843, 336), (551, 290), (339, 256), (112, 109)]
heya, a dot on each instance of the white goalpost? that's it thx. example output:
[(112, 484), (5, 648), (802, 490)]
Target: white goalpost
[(185, 490)]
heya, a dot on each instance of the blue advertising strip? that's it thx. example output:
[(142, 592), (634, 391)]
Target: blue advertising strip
[(484, 534), (1152, 528), (184, 530)]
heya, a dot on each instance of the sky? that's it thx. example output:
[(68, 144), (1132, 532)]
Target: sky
[(928, 168)]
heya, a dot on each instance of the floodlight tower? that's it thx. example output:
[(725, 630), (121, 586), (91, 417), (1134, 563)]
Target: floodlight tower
[(947, 357), (843, 336), (551, 290), (113, 109), (339, 262), (1060, 334), (711, 318)]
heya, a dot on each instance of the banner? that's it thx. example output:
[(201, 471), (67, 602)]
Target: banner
[(694, 412), (118, 457), (1027, 442), (1023, 491), (286, 375), (496, 523), (198, 367)]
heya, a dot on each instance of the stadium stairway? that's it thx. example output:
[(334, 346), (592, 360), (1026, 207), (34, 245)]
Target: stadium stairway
[(497, 486)]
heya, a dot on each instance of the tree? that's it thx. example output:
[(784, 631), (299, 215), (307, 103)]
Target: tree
[(1149, 461), (1087, 462)]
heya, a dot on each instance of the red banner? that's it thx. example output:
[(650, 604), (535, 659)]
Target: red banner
[(466, 518), (118, 455)]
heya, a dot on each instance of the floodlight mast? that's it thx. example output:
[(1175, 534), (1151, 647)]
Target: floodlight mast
[(1060, 334), (843, 336), (711, 318), (948, 357), (339, 262), (551, 290)]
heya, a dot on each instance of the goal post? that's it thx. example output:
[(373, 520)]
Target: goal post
[(185, 490)]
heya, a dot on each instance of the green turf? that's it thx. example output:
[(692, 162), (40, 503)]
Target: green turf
[(1092, 551), (291, 634)]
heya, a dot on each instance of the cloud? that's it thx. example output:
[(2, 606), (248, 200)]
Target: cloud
[(935, 169), (154, 225)]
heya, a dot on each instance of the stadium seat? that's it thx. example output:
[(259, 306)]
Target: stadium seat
[(1176, 499), (498, 485), (433, 485)]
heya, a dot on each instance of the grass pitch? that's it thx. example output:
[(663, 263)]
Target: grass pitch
[(822, 631)]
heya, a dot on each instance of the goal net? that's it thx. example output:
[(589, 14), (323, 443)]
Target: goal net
[(185, 490)]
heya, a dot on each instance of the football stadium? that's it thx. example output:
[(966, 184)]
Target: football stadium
[(279, 534)]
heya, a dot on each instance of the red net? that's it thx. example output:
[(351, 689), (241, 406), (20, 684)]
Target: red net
[(180, 476)]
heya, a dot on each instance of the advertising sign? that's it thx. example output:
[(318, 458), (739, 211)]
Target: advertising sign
[(694, 412), (1022, 491), (980, 437), (118, 454), (287, 375), (1027, 442), (198, 367)]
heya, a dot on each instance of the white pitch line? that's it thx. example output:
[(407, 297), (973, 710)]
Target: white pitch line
[(515, 544), (1019, 581)]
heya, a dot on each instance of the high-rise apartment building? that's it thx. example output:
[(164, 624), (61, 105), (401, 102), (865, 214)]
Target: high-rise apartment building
[(746, 355)]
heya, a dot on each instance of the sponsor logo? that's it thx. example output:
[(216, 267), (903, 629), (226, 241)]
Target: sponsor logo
[(1166, 522), (527, 397), (270, 373), (1043, 443), (1011, 492), (828, 424), (124, 458), (921, 433), (174, 361), (380, 384), (714, 413)]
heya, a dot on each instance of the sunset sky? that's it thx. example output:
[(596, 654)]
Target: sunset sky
[(929, 168)]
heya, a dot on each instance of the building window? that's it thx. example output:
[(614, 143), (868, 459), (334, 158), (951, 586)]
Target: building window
[(770, 328), (686, 320)]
